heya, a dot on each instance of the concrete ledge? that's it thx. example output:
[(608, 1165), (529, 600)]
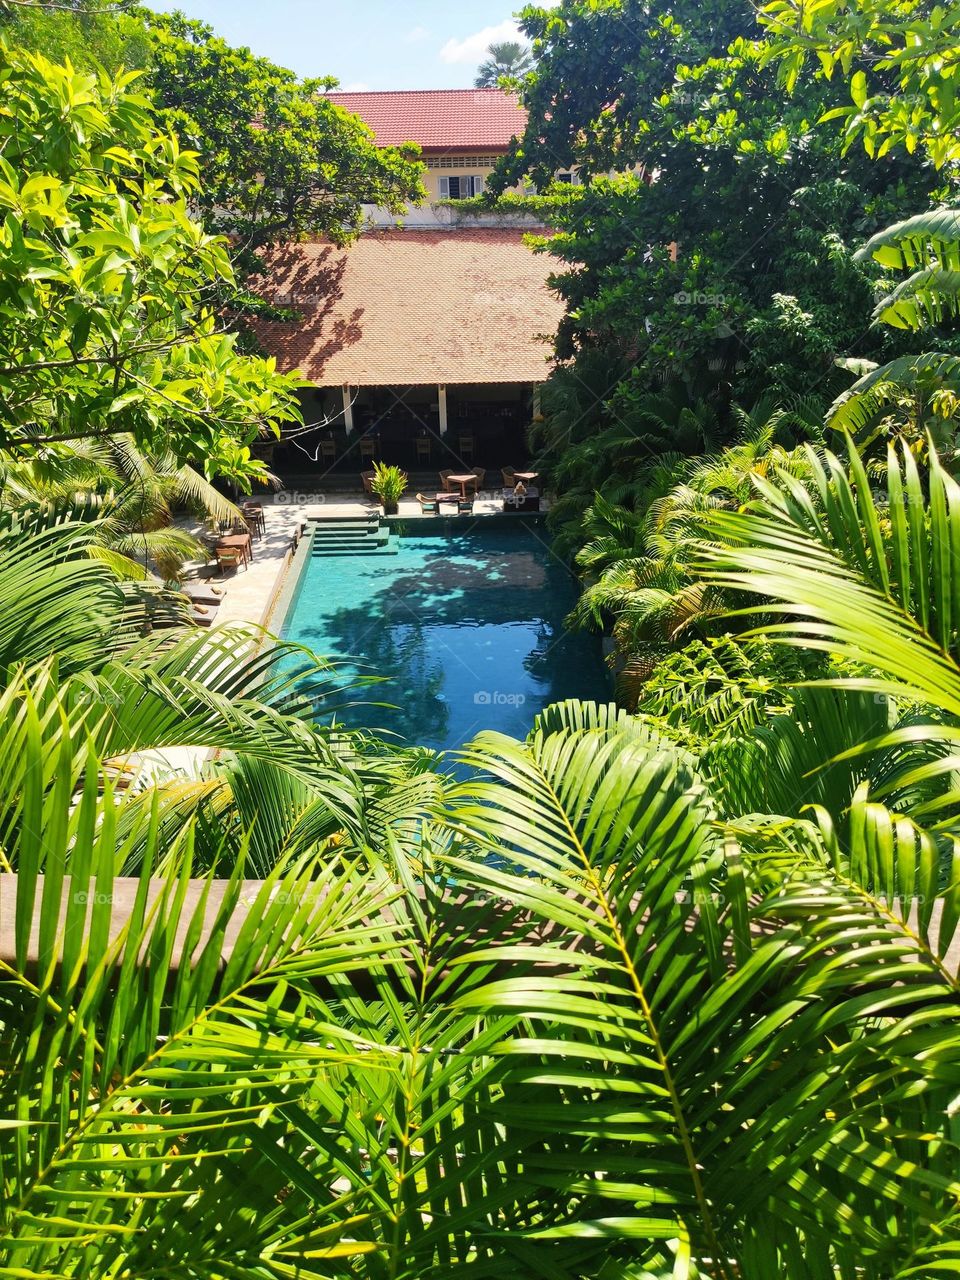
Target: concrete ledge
[(485, 916)]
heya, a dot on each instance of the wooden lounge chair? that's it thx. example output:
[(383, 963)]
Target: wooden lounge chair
[(481, 474), (428, 506), (509, 477), (367, 478), (228, 558), (464, 506), (445, 481)]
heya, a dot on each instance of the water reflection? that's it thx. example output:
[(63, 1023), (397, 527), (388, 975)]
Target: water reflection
[(468, 631)]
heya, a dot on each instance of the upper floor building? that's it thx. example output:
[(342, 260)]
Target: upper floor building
[(462, 134)]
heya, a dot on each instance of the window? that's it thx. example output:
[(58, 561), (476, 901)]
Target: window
[(459, 162), (462, 187), (569, 176)]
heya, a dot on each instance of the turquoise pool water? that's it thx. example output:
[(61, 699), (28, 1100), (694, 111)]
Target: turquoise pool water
[(467, 629)]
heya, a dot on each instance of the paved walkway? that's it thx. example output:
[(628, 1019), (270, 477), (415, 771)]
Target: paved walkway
[(247, 593)]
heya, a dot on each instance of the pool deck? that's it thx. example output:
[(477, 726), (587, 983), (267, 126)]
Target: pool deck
[(249, 594)]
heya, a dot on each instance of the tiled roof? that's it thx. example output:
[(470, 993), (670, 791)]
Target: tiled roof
[(413, 307), (439, 117)]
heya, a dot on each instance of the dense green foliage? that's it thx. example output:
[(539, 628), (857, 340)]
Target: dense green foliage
[(106, 282), (278, 158), (132, 496), (739, 269), (96, 34), (666, 993), (900, 60)]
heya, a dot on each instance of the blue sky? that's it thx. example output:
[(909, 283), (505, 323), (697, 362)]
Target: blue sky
[(367, 44)]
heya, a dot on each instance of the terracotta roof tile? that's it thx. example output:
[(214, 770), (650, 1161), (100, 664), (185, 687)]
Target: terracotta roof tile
[(413, 307), (439, 117)]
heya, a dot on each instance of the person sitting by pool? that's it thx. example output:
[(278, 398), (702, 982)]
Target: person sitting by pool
[(520, 489)]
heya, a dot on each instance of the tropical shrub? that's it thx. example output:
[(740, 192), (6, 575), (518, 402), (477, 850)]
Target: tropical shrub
[(132, 497), (389, 484), (602, 1006)]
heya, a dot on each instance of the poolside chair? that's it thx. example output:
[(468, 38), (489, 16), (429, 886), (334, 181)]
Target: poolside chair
[(254, 510), (464, 506), (509, 477), (228, 558), (423, 448), (428, 506), (328, 450), (445, 482), (465, 444), (367, 478), (481, 474), (368, 448)]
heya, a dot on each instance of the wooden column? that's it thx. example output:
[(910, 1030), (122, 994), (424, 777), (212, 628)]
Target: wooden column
[(442, 398), (347, 408)]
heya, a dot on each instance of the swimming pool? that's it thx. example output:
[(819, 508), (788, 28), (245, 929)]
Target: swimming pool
[(465, 626)]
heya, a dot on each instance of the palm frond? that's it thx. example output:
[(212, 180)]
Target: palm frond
[(924, 240)]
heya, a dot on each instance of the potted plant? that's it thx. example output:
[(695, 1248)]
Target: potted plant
[(388, 484)]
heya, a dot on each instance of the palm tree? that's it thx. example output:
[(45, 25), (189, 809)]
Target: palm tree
[(576, 1013), (913, 395), (130, 494), (509, 59)]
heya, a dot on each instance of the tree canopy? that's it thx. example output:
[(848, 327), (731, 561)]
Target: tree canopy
[(107, 281), (280, 160), (712, 243)]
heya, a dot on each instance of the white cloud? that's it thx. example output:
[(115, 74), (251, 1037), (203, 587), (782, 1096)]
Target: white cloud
[(473, 49), (417, 35)]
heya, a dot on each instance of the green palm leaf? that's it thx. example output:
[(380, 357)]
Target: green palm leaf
[(928, 297), (872, 395), (926, 239), (648, 1012)]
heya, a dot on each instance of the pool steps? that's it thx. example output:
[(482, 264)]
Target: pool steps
[(352, 536)]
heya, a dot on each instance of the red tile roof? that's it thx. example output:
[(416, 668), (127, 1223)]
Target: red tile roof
[(413, 307), (439, 117)]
